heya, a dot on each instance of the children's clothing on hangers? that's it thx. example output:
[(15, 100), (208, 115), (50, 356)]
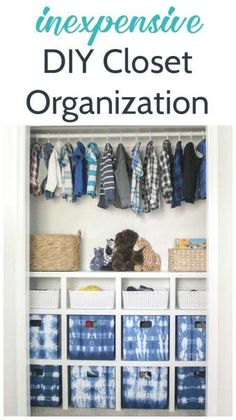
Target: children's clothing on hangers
[(165, 171), (150, 180), (191, 166), (177, 176), (107, 180), (136, 179), (92, 156), (123, 175)]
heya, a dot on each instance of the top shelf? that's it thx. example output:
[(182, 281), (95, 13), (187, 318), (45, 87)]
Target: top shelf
[(122, 274)]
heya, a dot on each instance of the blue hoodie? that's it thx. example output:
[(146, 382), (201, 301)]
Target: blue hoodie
[(80, 176)]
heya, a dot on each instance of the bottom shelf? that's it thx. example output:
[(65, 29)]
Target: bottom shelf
[(51, 412)]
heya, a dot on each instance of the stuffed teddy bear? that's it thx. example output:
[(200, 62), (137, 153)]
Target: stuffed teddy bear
[(125, 258), (151, 260)]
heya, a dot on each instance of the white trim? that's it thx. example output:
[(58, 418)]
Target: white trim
[(213, 271)]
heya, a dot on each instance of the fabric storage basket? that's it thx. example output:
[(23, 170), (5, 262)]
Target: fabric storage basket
[(92, 300), (158, 299), (91, 387), (47, 299), (191, 338), (55, 252), (187, 260), (190, 388), (145, 337), (192, 299), (45, 336), (91, 337), (145, 387), (45, 386)]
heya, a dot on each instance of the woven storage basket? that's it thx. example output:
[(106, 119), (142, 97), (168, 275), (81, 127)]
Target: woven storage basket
[(192, 299), (92, 299), (55, 252), (187, 260), (44, 299), (157, 299)]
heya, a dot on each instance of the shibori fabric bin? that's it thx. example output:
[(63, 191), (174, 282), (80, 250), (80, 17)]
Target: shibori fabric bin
[(191, 338), (145, 337), (92, 387), (45, 336), (91, 337), (145, 387), (45, 386), (190, 388)]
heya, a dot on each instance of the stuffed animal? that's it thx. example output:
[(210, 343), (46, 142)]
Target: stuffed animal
[(151, 260), (125, 258), (109, 251)]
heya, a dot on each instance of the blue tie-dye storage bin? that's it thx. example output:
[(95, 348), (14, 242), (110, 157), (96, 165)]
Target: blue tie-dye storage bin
[(91, 337), (45, 386), (190, 388), (145, 337), (45, 336), (191, 338), (92, 387), (145, 387)]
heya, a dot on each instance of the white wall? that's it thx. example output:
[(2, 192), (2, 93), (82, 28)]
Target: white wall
[(160, 228)]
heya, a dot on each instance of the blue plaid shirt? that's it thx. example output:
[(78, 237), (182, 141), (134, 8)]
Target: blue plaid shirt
[(136, 179)]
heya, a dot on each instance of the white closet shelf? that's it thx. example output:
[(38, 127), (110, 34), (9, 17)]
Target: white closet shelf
[(191, 312), (122, 274), (123, 363)]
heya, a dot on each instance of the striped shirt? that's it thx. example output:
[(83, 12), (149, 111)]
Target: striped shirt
[(107, 180)]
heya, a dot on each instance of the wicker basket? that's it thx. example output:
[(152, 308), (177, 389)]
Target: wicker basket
[(193, 260), (56, 252), (192, 299), (158, 299), (47, 299), (96, 299)]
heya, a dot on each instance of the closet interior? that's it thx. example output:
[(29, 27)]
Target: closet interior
[(155, 350)]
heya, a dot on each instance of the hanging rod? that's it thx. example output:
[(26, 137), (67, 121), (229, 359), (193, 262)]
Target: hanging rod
[(147, 135)]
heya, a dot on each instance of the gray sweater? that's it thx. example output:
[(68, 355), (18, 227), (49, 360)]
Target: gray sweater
[(123, 173)]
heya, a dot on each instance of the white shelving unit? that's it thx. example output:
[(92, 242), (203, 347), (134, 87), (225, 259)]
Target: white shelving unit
[(117, 280)]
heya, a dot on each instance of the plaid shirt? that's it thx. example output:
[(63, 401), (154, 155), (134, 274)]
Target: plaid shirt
[(66, 173), (150, 184), (177, 195), (136, 165), (165, 171), (35, 188)]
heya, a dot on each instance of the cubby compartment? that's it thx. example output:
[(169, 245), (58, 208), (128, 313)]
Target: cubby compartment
[(145, 387), (191, 338), (45, 336), (45, 293), (145, 293), (191, 293), (91, 337), (45, 386), (145, 337), (92, 298), (190, 392), (92, 387)]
